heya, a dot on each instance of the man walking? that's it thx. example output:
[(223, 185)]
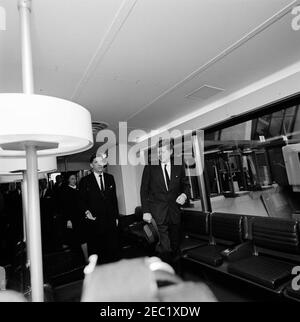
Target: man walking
[(164, 189), (100, 207)]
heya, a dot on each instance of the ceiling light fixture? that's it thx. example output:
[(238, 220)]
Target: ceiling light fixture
[(32, 125)]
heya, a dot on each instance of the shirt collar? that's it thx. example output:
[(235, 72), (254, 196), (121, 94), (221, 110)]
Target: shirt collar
[(98, 174), (165, 163)]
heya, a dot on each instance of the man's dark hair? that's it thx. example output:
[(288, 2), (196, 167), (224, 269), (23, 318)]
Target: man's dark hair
[(166, 142), (93, 157)]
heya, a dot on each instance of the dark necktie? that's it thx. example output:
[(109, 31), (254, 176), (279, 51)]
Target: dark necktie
[(167, 177), (101, 182)]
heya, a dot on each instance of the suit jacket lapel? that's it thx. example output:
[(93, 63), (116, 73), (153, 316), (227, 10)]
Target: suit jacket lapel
[(173, 175), (107, 182), (95, 183)]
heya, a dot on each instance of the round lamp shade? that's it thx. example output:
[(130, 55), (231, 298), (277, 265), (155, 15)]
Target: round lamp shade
[(18, 165), (17, 177), (10, 178), (59, 127)]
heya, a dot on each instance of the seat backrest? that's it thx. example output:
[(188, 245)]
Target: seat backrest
[(125, 221), (146, 233), (227, 227), (276, 234), (248, 226), (195, 223), (62, 262)]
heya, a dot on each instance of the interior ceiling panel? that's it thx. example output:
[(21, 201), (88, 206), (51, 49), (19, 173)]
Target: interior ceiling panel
[(161, 44), (65, 35), (10, 68), (271, 50), (204, 92), (113, 100), (156, 45)]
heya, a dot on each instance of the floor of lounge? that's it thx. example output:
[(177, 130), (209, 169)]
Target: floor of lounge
[(226, 288)]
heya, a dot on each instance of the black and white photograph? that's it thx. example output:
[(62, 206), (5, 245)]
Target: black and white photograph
[(149, 155)]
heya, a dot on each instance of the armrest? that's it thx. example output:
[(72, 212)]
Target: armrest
[(2, 279), (72, 275), (239, 252)]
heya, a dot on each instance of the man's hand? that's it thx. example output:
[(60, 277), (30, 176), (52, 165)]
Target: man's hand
[(181, 199), (147, 217), (89, 215)]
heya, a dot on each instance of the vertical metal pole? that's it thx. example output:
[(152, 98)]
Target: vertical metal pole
[(198, 149), (34, 225), (25, 213), (217, 179), (24, 7), (65, 161), (34, 221), (190, 179), (24, 205)]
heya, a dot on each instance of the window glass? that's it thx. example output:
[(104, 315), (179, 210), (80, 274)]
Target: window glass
[(276, 124), (253, 167)]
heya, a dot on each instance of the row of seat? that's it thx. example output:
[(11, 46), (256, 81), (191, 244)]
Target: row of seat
[(258, 250)]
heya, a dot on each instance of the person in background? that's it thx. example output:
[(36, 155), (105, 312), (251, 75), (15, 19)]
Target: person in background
[(57, 193), (164, 189), (73, 222), (99, 206), (47, 204), (3, 228), (13, 209), (58, 182)]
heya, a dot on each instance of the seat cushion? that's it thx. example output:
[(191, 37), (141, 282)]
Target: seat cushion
[(190, 243), (70, 292), (67, 277), (208, 254), (292, 293), (262, 270)]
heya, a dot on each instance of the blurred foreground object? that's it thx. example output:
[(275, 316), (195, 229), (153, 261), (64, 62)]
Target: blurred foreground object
[(140, 280), (11, 296), (186, 292)]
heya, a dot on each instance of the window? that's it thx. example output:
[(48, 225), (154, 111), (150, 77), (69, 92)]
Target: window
[(246, 167)]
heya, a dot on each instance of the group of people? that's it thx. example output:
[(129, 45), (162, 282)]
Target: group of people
[(81, 216), (85, 215), (164, 190), (11, 223)]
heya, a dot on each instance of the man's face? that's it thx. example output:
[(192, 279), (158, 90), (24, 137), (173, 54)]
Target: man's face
[(43, 184), (98, 164), (164, 154)]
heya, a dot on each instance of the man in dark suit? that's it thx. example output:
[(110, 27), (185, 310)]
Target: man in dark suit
[(164, 189), (99, 205), (47, 204)]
